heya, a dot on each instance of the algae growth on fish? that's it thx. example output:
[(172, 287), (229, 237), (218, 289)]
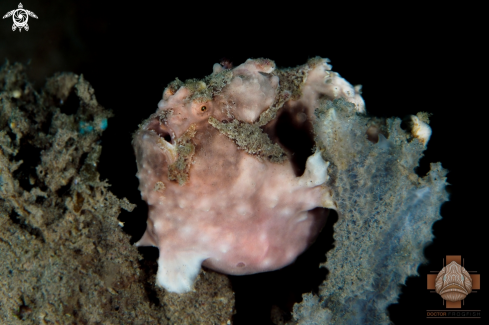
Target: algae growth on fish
[(229, 188)]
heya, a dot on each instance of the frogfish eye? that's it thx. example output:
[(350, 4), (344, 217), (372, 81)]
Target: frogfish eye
[(203, 108)]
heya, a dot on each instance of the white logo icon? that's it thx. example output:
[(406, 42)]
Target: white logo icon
[(20, 17)]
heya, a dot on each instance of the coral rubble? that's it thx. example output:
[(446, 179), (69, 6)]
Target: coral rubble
[(65, 258)]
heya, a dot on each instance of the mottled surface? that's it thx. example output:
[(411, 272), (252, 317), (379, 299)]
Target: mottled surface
[(222, 189), (385, 214)]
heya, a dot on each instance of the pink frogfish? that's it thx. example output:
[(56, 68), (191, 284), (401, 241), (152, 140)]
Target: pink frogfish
[(218, 168)]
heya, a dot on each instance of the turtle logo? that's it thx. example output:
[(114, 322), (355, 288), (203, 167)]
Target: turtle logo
[(20, 17)]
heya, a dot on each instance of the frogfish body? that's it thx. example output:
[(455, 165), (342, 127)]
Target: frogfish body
[(221, 173)]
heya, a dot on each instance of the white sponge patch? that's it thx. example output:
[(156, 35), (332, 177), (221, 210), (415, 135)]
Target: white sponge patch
[(421, 130)]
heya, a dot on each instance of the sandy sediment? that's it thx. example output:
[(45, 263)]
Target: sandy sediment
[(65, 258)]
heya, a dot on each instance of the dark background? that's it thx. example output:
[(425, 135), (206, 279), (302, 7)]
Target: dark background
[(408, 58)]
